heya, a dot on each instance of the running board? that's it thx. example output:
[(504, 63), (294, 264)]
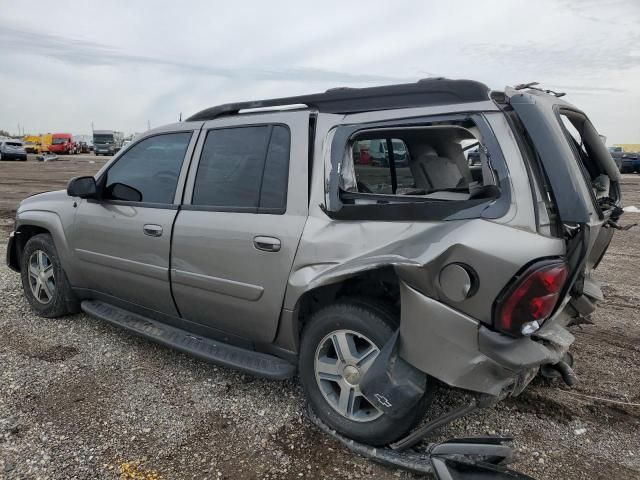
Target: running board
[(256, 363)]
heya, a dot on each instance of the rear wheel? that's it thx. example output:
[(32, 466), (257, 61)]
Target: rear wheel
[(43, 280), (339, 345)]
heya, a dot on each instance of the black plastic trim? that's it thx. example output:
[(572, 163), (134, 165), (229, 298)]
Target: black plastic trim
[(427, 92), (12, 254), (256, 363), (164, 206), (211, 208)]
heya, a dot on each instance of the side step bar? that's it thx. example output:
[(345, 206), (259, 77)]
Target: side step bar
[(256, 363)]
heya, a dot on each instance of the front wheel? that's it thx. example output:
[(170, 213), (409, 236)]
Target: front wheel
[(339, 345), (43, 280)]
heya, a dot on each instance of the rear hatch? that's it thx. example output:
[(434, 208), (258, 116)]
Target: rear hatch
[(583, 179)]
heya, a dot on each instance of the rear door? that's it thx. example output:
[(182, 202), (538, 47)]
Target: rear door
[(235, 238)]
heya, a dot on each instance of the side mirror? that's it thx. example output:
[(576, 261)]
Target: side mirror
[(121, 191), (83, 187)]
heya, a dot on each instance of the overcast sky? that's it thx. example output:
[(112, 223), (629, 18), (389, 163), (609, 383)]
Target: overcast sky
[(120, 64)]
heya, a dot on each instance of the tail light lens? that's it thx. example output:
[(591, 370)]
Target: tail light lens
[(525, 305)]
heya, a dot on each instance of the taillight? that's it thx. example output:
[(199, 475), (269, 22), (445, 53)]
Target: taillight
[(524, 306)]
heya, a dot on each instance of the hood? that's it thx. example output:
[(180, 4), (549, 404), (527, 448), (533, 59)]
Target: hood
[(43, 201)]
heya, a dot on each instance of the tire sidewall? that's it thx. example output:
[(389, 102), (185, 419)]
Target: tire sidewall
[(376, 325), (58, 305)]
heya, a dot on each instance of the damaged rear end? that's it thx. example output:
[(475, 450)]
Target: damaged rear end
[(492, 265)]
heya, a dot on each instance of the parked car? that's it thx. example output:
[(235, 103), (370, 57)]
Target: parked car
[(379, 152), (253, 240), (616, 154), (12, 149), (63, 144), (630, 162), (475, 164), (83, 147)]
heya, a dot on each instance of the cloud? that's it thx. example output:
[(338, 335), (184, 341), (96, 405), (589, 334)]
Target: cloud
[(79, 52), (122, 63)]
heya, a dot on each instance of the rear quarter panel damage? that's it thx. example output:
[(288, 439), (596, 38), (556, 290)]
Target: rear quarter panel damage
[(437, 335)]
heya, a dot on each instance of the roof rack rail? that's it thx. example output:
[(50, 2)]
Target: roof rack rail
[(532, 86), (344, 100)]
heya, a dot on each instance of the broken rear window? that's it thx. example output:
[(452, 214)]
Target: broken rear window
[(427, 162)]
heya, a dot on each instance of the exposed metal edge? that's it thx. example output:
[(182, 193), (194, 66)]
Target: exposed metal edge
[(412, 462)]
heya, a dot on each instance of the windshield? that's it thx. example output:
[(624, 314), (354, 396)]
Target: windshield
[(13, 144), (59, 141), (102, 138), (615, 149)]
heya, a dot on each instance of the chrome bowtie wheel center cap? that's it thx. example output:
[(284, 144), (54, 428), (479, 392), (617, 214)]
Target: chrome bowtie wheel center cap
[(352, 374)]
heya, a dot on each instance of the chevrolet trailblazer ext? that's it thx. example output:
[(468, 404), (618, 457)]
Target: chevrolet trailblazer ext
[(251, 236)]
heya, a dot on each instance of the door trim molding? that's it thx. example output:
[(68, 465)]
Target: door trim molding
[(223, 286), (118, 263)]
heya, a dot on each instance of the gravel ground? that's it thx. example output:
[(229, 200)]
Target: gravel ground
[(82, 399)]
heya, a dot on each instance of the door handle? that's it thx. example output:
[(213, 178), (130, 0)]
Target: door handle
[(152, 230), (268, 244)]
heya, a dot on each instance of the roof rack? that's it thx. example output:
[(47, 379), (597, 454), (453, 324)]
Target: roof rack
[(425, 92), (532, 86)]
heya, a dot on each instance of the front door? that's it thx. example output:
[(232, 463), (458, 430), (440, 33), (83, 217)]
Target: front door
[(236, 236), (122, 242)]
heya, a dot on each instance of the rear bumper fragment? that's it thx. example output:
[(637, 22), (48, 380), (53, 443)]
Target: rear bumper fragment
[(463, 353)]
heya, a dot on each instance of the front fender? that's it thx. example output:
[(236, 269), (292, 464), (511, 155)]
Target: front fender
[(51, 222)]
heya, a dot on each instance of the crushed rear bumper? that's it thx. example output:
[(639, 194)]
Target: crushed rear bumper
[(463, 353)]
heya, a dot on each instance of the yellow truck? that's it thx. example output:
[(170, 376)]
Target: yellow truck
[(45, 142), (32, 143)]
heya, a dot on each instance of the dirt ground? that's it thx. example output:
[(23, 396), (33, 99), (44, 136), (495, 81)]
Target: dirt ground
[(82, 399)]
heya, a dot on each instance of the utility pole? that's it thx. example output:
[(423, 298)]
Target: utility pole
[(148, 125), (91, 126)]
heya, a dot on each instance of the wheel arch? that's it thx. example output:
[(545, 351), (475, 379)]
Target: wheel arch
[(31, 223), (377, 285)]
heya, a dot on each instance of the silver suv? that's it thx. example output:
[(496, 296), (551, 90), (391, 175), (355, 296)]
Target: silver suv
[(263, 236)]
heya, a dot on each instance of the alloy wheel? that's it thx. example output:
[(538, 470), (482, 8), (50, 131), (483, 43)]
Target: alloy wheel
[(342, 359), (41, 277)]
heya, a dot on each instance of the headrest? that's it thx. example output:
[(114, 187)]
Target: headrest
[(428, 151)]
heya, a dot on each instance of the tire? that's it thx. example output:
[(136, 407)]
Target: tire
[(55, 296), (365, 321)]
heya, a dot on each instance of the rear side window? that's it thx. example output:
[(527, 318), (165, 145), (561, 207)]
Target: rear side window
[(245, 169), (427, 162), (151, 167)]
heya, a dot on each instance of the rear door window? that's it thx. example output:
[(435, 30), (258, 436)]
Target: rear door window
[(244, 169)]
